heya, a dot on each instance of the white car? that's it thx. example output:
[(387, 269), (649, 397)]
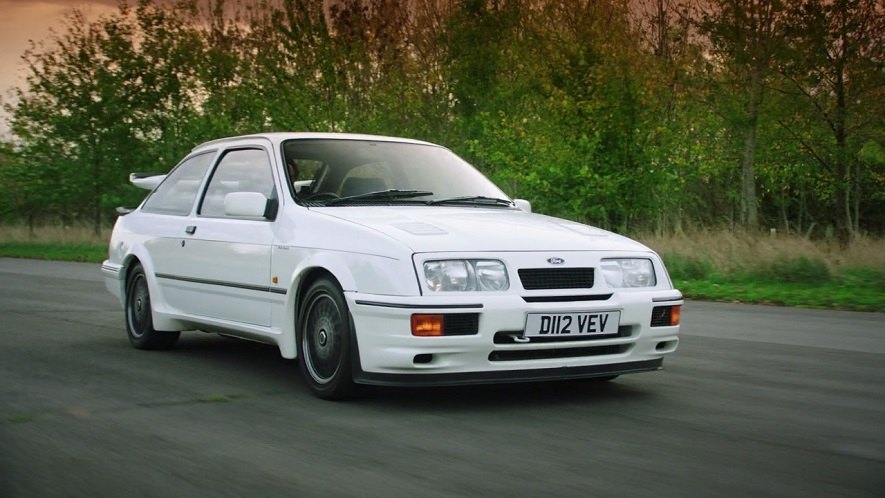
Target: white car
[(386, 261)]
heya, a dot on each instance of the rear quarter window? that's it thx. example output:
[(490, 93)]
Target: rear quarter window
[(177, 193)]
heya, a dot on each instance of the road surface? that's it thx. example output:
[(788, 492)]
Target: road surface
[(757, 401)]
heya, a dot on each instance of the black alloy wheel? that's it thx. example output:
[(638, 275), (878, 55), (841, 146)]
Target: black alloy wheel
[(139, 318), (324, 336)]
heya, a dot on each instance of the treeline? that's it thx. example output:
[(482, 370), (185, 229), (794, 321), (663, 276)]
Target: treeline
[(631, 115)]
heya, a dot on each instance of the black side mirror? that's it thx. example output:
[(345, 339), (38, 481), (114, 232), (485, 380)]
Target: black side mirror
[(271, 209)]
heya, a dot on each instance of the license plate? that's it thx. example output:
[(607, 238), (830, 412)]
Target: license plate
[(571, 324)]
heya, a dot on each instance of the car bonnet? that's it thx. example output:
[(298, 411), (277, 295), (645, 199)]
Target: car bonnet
[(469, 229)]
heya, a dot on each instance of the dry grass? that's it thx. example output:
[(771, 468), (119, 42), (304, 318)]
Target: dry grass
[(727, 251), (53, 234), (734, 251)]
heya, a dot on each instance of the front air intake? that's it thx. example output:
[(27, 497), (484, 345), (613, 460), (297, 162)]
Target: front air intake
[(556, 278)]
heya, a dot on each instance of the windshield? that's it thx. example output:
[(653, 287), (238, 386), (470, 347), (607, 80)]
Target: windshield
[(343, 172)]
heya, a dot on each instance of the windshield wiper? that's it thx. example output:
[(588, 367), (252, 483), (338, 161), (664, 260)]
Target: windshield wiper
[(380, 195), (477, 200)]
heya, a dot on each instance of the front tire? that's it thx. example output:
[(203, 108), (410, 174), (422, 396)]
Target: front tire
[(324, 341), (139, 315)]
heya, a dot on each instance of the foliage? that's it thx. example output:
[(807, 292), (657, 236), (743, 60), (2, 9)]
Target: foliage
[(800, 281), (684, 267), (832, 77), (656, 115), (852, 288), (92, 253), (857, 296), (800, 270)]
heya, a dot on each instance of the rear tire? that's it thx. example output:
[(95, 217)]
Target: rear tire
[(324, 341), (139, 315)]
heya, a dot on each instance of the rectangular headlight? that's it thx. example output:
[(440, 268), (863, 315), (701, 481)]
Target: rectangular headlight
[(629, 272), (466, 275)]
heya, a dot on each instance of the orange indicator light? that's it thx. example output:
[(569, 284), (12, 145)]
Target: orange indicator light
[(675, 311), (427, 325), (274, 279)]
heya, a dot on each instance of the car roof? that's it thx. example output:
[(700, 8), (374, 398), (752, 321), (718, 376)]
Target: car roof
[(279, 137)]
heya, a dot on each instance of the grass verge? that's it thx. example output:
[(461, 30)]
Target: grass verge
[(711, 265), (831, 295), (787, 271), (83, 252), (58, 242)]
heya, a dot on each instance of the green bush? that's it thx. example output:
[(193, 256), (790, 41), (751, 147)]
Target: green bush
[(682, 267), (801, 270), (862, 276)]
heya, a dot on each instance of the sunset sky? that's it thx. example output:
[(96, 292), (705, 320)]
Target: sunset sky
[(24, 20)]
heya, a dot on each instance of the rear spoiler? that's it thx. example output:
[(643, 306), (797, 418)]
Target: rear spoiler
[(147, 181)]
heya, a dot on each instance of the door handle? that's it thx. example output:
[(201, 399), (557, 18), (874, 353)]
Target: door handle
[(191, 229)]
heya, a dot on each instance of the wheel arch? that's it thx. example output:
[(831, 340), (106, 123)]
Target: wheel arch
[(128, 265), (315, 266), (308, 277), (162, 320), (301, 281)]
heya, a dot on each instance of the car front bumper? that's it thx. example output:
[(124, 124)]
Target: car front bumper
[(390, 355), (112, 275)]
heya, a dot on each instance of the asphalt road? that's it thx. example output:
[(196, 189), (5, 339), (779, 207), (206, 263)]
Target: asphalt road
[(757, 401)]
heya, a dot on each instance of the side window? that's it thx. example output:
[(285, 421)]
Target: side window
[(177, 192), (240, 170)]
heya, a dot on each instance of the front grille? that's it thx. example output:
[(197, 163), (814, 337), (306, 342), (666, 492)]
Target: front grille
[(556, 278), (545, 354), (567, 299)]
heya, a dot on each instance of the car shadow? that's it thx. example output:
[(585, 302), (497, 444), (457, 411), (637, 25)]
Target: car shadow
[(504, 396), (262, 361), (252, 361)]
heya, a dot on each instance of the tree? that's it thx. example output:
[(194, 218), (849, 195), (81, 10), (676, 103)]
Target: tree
[(685, 138), (597, 110), (73, 121), (21, 195), (835, 81), (744, 37)]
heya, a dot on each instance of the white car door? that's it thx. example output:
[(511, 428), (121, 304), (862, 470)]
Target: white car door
[(164, 215), (225, 260)]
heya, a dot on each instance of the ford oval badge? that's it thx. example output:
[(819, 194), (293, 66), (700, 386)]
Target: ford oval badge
[(555, 261)]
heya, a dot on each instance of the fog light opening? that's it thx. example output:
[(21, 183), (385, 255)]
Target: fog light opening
[(665, 346), (423, 359)]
